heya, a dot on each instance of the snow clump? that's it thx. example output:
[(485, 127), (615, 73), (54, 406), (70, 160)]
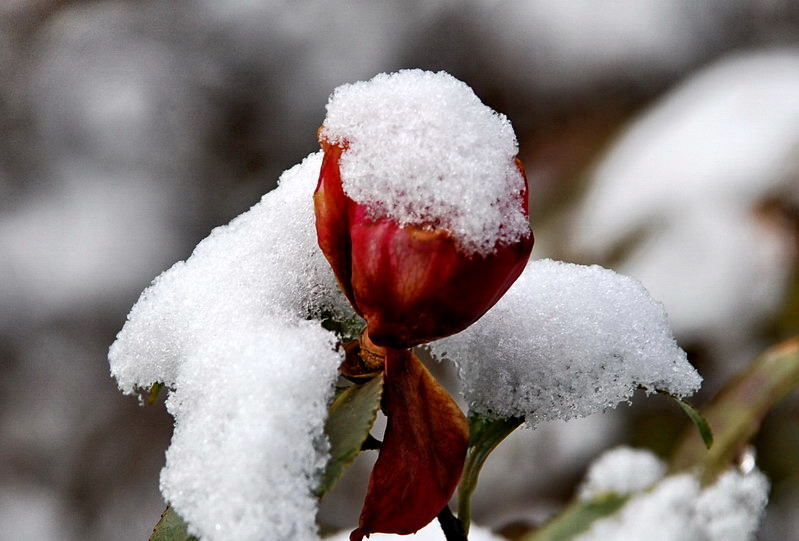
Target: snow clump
[(423, 150), (264, 265), (228, 330), (611, 473), (729, 510), (566, 341)]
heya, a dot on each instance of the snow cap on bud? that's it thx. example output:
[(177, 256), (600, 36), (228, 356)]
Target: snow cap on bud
[(421, 205)]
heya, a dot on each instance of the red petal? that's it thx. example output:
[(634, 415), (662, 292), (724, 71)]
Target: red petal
[(413, 285), (423, 451), (332, 223)]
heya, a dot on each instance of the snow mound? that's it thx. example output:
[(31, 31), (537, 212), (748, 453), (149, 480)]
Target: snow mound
[(566, 341), (613, 473), (729, 510), (231, 331), (424, 150)]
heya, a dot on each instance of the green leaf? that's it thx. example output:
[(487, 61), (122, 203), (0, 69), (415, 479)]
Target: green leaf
[(350, 418), (577, 518), (738, 409), (171, 528), (485, 433), (345, 329), (699, 421), (155, 390)]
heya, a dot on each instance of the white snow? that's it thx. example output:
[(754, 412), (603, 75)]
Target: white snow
[(227, 331), (732, 508), (678, 508), (424, 150), (249, 444), (727, 134), (685, 180), (621, 471), (566, 341), (264, 265), (431, 532)]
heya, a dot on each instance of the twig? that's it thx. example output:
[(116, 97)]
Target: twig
[(451, 525)]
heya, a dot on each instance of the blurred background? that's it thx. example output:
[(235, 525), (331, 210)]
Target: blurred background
[(660, 137)]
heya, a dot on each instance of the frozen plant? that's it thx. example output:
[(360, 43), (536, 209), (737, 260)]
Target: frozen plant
[(406, 229)]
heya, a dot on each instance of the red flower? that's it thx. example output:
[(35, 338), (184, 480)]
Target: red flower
[(412, 284)]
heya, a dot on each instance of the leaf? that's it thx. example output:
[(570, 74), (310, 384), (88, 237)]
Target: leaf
[(699, 421), (485, 434), (345, 328), (577, 518), (350, 418), (738, 409), (155, 390), (171, 528)]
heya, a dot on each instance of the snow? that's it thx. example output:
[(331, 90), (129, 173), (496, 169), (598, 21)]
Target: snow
[(264, 265), (249, 432), (701, 160), (431, 532), (234, 330), (728, 131), (566, 341), (728, 510), (423, 150), (613, 473), (231, 332), (733, 507)]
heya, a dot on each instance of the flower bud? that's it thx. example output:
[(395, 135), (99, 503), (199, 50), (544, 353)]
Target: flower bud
[(412, 283)]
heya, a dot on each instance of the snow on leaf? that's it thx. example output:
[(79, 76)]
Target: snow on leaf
[(567, 341)]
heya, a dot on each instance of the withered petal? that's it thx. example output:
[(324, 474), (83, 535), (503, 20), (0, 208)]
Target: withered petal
[(422, 455)]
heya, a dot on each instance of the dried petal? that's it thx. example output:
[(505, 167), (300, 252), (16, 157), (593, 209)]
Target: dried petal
[(423, 451)]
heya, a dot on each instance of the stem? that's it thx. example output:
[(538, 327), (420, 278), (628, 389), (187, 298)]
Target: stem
[(451, 525), (484, 437)]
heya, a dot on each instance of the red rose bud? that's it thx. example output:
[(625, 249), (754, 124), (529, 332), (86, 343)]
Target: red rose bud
[(412, 284)]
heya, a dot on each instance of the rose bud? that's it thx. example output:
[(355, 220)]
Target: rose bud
[(411, 283), (421, 206), (421, 210)]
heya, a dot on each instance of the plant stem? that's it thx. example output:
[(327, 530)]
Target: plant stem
[(451, 525), (484, 436)]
